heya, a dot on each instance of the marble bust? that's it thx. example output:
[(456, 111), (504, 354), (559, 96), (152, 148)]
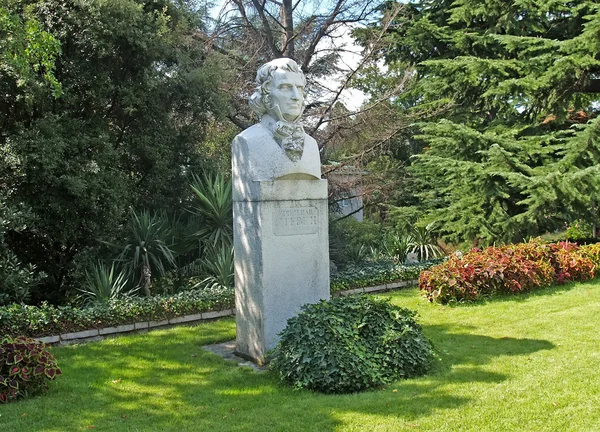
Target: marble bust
[(280, 223), (276, 148)]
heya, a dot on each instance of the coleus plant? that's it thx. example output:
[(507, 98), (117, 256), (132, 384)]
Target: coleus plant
[(25, 368)]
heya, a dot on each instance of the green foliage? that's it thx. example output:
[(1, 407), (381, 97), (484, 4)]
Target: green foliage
[(214, 208), (137, 99), (504, 270), (16, 279), (371, 273), (351, 344), (47, 320), (396, 246), (516, 153), (103, 284), (579, 229), (25, 366), (422, 242), (350, 240), (145, 251), (218, 264), (27, 55)]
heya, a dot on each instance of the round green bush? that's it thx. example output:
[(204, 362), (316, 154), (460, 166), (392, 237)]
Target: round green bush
[(351, 344)]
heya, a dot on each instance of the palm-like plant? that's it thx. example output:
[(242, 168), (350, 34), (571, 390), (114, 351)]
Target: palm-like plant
[(218, 265), (423, 242), (147, 252), (396, 246), (103, 284), (213, 209)]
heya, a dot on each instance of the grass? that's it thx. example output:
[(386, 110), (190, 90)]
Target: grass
[(527, 363)]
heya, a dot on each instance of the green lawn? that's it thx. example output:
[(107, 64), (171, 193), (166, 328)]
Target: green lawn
[(527, 363)]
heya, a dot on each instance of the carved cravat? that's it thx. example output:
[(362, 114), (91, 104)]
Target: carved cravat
[(290, 136)]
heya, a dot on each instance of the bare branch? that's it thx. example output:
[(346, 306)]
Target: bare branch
[(369, 54), (260, 9), (322, 31)]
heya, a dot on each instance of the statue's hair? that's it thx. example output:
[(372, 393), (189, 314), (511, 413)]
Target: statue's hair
[(260, 101)]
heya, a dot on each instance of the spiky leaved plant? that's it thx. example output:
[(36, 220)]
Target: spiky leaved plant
[(103, 283), (146, 252)]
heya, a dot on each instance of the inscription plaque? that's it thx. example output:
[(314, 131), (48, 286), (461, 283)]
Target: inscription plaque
[(295, 221)]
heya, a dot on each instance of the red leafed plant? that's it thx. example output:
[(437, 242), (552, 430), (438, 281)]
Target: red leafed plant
[(25, 367), (507, 269)]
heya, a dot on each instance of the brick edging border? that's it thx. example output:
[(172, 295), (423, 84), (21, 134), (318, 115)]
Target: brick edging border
[(99, 334)]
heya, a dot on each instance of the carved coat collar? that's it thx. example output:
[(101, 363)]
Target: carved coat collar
[(289, 136)]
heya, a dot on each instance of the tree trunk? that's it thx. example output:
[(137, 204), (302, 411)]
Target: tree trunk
[(146, 279), (287, 39)]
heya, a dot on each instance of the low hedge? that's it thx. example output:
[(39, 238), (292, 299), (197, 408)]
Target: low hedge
[(508, 269), (45, 320), (377, 273)]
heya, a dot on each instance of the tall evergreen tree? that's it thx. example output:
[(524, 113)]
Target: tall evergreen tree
[(517, 152)]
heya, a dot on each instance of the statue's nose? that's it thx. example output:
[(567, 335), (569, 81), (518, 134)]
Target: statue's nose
[(295, 93)]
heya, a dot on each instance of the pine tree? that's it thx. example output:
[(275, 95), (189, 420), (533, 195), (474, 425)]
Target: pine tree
[(517, 152)]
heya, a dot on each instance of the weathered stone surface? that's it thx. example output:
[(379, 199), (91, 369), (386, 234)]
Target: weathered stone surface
[(49, 339), (216, 314), (375, 288), (227, 351), (184, 319), (152, 324), (280, 213), (79, 335), (125, 328), (352, 291), (140, 325), (108, 331)]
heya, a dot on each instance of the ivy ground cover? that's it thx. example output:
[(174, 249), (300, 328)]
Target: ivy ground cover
[(526, 363)]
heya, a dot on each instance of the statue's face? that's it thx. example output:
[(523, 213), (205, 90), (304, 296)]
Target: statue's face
[(287, 93)]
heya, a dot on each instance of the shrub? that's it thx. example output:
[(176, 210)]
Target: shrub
[(591, 252), (351, 344), (47, 320), (25, 368), (507, 269), (103, 284), (578, 230), (371, 273), (570, 265), (347, 236)]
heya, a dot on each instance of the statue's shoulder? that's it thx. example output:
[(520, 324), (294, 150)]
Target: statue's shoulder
[(255, 132)]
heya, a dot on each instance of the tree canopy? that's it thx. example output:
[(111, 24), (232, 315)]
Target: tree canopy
[(516, 151), (123, 103)]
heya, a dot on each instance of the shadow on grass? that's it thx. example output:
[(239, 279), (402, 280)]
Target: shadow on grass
[(165, 381), (523, 297)]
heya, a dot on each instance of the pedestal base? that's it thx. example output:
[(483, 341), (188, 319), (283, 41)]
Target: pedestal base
[(281, 259)]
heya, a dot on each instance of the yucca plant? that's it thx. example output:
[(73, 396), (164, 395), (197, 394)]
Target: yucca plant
[(147, 252), (213, 208), (218, 265), (103, 283), (423, 242), (396, 246), (357, 254)]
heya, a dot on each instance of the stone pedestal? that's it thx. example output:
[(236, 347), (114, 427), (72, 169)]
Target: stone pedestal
[(281, 257)]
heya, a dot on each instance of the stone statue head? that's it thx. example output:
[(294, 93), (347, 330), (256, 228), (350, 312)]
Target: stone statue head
[(279, 91)]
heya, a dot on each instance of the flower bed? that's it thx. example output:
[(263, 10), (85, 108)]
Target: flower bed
[(47, 320), (508, 269), (377, 273)]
